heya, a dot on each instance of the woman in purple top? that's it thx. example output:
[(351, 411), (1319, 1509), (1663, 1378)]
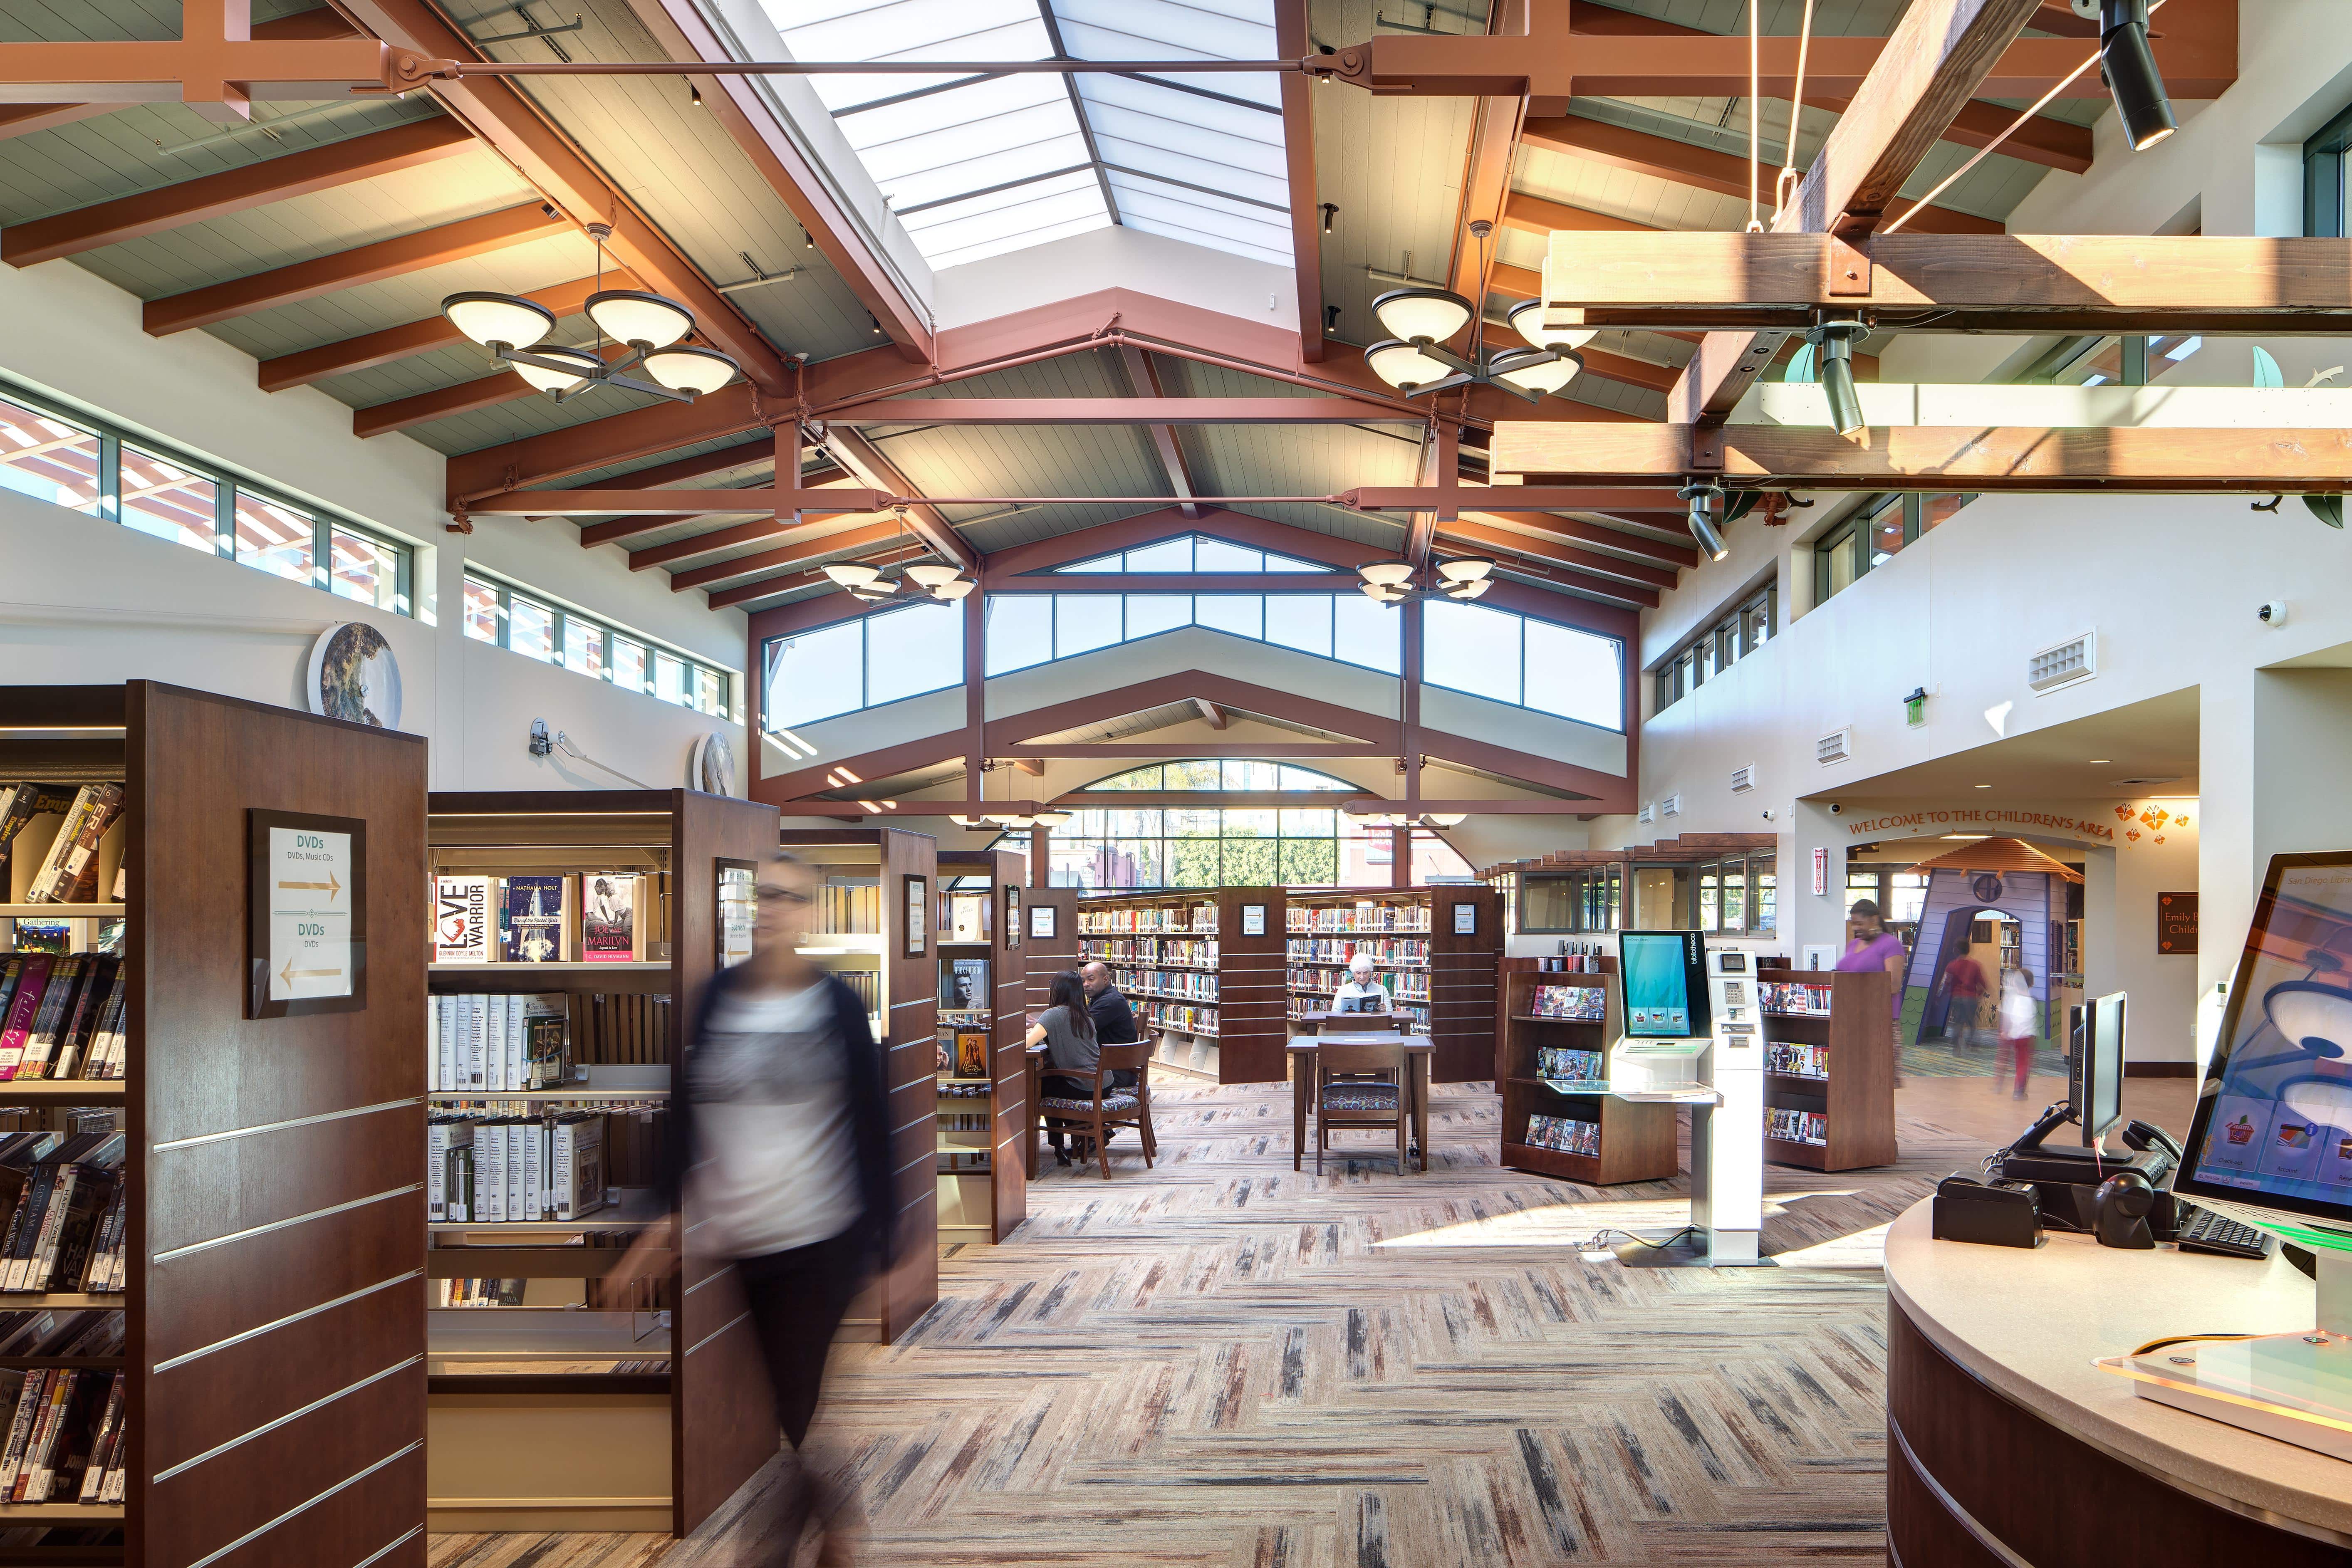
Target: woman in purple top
[(1873, 946)]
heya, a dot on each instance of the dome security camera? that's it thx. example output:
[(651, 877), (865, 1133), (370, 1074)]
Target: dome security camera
[(2272, 614), (1835, 807)]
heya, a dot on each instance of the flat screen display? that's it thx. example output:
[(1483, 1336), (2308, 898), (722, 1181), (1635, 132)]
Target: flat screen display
[(2097, 1089), (1666, 984), (2273, 1123)]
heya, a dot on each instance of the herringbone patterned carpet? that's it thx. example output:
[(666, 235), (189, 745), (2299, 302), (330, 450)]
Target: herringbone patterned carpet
[(1220, 1362)]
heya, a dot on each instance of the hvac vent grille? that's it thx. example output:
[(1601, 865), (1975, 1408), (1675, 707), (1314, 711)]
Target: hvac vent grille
[(2063, 663), (1834, 746)]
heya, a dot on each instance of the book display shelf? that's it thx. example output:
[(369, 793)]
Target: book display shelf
[(269, 1336), (873, 927), (1436, 947), (556, 1404), (983, 1019), (1203, 970), (1828, 1069), (1557, 1030)]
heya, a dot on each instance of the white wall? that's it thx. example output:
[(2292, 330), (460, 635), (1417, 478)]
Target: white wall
[(1117, 258), (83, 601)]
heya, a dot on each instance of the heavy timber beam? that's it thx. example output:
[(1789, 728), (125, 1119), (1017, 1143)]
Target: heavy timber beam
[(863, 459), (210, 196), (1582, 532), (349, 268), (2056, 144), (306, 366), (667, 475), (217, 66), (1143, 381), (1537, 546), (2144, 459), (1291, 39), (862, 537), (1687, 164), (24, 119), (1935, 62), (2198, 56), (1564, 497), (686, 503), (2005, 283), (1534, 214), (1122, 411), (502, 116), (1486, 169), (767, 588)]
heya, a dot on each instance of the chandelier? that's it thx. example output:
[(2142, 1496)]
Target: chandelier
[(872, 584), (1420, 320), (652, 327), (1392, 581), (1014, 821)]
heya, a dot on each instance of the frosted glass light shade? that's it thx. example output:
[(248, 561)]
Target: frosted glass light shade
[(690, 369), (1378, 594), (633, 317), (852, 573), (1445, 819), (956, 589), (1053, 818), (1470, 569), (1536, 370), (932, 573), (1387, 573), (1402, 365), (549, 380), (1526, 320), (1427, 314), (493, 319), (1470, 589)]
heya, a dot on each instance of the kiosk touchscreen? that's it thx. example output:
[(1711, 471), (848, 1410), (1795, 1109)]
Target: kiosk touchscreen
[(2271, 1146), (1665, 985)]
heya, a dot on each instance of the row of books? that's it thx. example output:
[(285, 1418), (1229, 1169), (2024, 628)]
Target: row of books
[(1185, 919), (62, 1017), (1366, 915), (1159, 952), (560, 918), (849, 909), (1565, 1065), (67, 869), (1792, 1125), (1581, 1004), (1796, 1061), (1566, 1134), (493, 1044), (1792, 998), (965, 1018), (620, 1029), (67, 1435), (490, 1170), (60, 934), (949, 1091), (1182, 1017), (867, 984), (1385, 951), (1184, 985), (67, 1212), (1407, 986)]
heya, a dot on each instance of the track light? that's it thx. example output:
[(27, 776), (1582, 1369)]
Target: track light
[(1330, 211), (2129, 67), (1833, 344), (1704, 497)]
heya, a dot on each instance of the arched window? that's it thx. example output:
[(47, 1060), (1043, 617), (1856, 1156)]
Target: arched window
[(1114, 849)]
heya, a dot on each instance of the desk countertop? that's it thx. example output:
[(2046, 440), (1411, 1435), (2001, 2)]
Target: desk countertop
[(2030, 1323)]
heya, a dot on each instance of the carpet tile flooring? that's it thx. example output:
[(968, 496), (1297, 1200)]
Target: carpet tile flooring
[(1221, 1362)]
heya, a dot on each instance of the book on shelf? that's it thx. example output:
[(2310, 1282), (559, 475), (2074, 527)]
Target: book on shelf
[(622, 1029), (69, 873), (495, 1044), (1567, 1134), (1796, 1060), (846, 908), (1364, 915), (66, 1440), (1793, 998), (971, 1054), (1579, 1004), (61, 1015), (968, 919), (965, 1018), (964, 1090), (535, 919), (462, 922), (1564, 1065), (610, 930), (963, 984), (18, 804), (63, 1227), (867, 984), (1792, 1124), (484, 1169)]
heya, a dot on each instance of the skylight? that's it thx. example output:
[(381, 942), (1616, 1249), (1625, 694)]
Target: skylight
[(976, 164)]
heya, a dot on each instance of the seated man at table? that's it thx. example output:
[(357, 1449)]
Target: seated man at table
[(1114, 1018), (1360, 992)]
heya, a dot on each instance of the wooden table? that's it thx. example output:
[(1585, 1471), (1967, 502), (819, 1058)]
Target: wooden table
[(1418, 1049)]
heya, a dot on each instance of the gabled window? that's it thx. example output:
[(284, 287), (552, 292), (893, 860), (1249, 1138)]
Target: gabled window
[(1190, 552)]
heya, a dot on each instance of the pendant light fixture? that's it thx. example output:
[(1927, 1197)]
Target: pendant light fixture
[(871, 584), (1420, 319), (1392, 581), (652, 327)]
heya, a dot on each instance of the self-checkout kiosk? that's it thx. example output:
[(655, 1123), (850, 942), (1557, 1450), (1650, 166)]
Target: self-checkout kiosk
[(1691, 1036)]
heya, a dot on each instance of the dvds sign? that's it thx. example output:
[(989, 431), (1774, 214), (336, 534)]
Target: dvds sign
[(307, 895)]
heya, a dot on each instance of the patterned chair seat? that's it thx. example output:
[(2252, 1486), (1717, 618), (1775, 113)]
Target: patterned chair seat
[(1358, 1097), (1121, 1101)]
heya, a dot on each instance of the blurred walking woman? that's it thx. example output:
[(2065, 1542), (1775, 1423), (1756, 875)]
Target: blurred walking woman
[(782, 1135)]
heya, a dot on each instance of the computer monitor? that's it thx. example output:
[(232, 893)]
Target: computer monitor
[(2271, 1143), (2094, 1077), (1665, 977)]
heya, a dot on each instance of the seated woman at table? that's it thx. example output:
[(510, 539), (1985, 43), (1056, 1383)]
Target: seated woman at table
[(1067, 1031), (1360, 992)]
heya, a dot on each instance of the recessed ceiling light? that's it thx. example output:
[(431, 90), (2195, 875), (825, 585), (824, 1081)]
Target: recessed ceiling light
[(2101, 761), (1984, 786)]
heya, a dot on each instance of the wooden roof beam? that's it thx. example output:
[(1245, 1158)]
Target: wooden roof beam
[(1292, 41), (1936, 60), (26, 118), (300, 173), (686, 503), (799, 554), (1143, 381), (303, 280), (217, 66), (1579, 531), (864, 460), (922, 410), (1548, 549)]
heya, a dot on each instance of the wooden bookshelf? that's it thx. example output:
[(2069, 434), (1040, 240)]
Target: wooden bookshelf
[(986, 1204), (275, 1223), (667, 1447), (1453, 999), (1636, 1140), (1208, 992), (1856, 1098), (906, 1027)]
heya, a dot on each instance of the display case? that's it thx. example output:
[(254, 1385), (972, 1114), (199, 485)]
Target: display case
[(1552, 1070), (1829, 1068)]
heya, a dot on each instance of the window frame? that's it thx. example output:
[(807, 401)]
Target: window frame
[(228, 484), (1595, 900), (2322, 178), (1721, 644), (563, 618)]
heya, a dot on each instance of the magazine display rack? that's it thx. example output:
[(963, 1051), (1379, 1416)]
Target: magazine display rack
[(1552, 1069), (1828, 1069)]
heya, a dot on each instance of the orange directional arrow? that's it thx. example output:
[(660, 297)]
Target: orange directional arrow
[(330, 887), (289, 974)]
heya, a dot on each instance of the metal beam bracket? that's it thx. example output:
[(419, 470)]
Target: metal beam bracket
[(1707, 448), (1849, 269)]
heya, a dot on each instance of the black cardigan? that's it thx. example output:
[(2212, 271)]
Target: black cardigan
[(876, 1222)]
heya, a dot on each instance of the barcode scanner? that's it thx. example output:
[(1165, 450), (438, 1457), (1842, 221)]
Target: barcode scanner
[(2120, 1210)]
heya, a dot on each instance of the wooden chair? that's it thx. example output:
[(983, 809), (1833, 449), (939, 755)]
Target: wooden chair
[(1359, 1084), (1094, 1116)]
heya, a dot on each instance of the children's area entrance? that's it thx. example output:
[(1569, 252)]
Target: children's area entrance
[(1994, 932)]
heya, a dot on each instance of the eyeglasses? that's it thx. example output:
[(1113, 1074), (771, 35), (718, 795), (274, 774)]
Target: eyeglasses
[(772, 891)]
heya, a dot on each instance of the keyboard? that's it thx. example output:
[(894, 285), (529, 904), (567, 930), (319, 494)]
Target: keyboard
[(2203, 1230)]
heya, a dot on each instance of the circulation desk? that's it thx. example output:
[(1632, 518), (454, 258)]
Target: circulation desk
[(2006, 1449)]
